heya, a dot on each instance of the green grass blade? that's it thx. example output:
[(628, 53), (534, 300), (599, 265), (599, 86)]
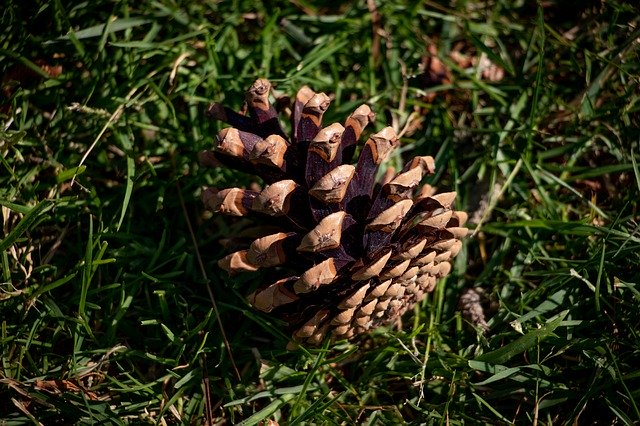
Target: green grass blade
[(112, 27), (126, 145), (267, 411), (524, 343), (69, 174), (27, 222), (87, 271)]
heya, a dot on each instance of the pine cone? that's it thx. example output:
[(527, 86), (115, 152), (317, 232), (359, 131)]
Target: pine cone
[(350, 253)]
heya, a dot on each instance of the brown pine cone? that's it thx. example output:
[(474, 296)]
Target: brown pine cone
[(350, 253)]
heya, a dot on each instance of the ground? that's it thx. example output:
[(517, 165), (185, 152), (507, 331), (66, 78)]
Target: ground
[(114, 310)]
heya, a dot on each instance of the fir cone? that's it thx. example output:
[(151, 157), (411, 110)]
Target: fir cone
[(349, 253)]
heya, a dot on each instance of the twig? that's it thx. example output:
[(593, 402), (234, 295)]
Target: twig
[(113, 118), (376, 30), (207, 391), (204, 275)]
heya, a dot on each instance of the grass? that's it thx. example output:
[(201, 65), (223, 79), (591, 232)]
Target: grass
[(108, 314)]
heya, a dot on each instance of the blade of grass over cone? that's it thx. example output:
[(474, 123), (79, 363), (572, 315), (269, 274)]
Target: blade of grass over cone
[(529, 340)]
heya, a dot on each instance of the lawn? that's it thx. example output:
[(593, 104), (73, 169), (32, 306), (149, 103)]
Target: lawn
[(114, 310)]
